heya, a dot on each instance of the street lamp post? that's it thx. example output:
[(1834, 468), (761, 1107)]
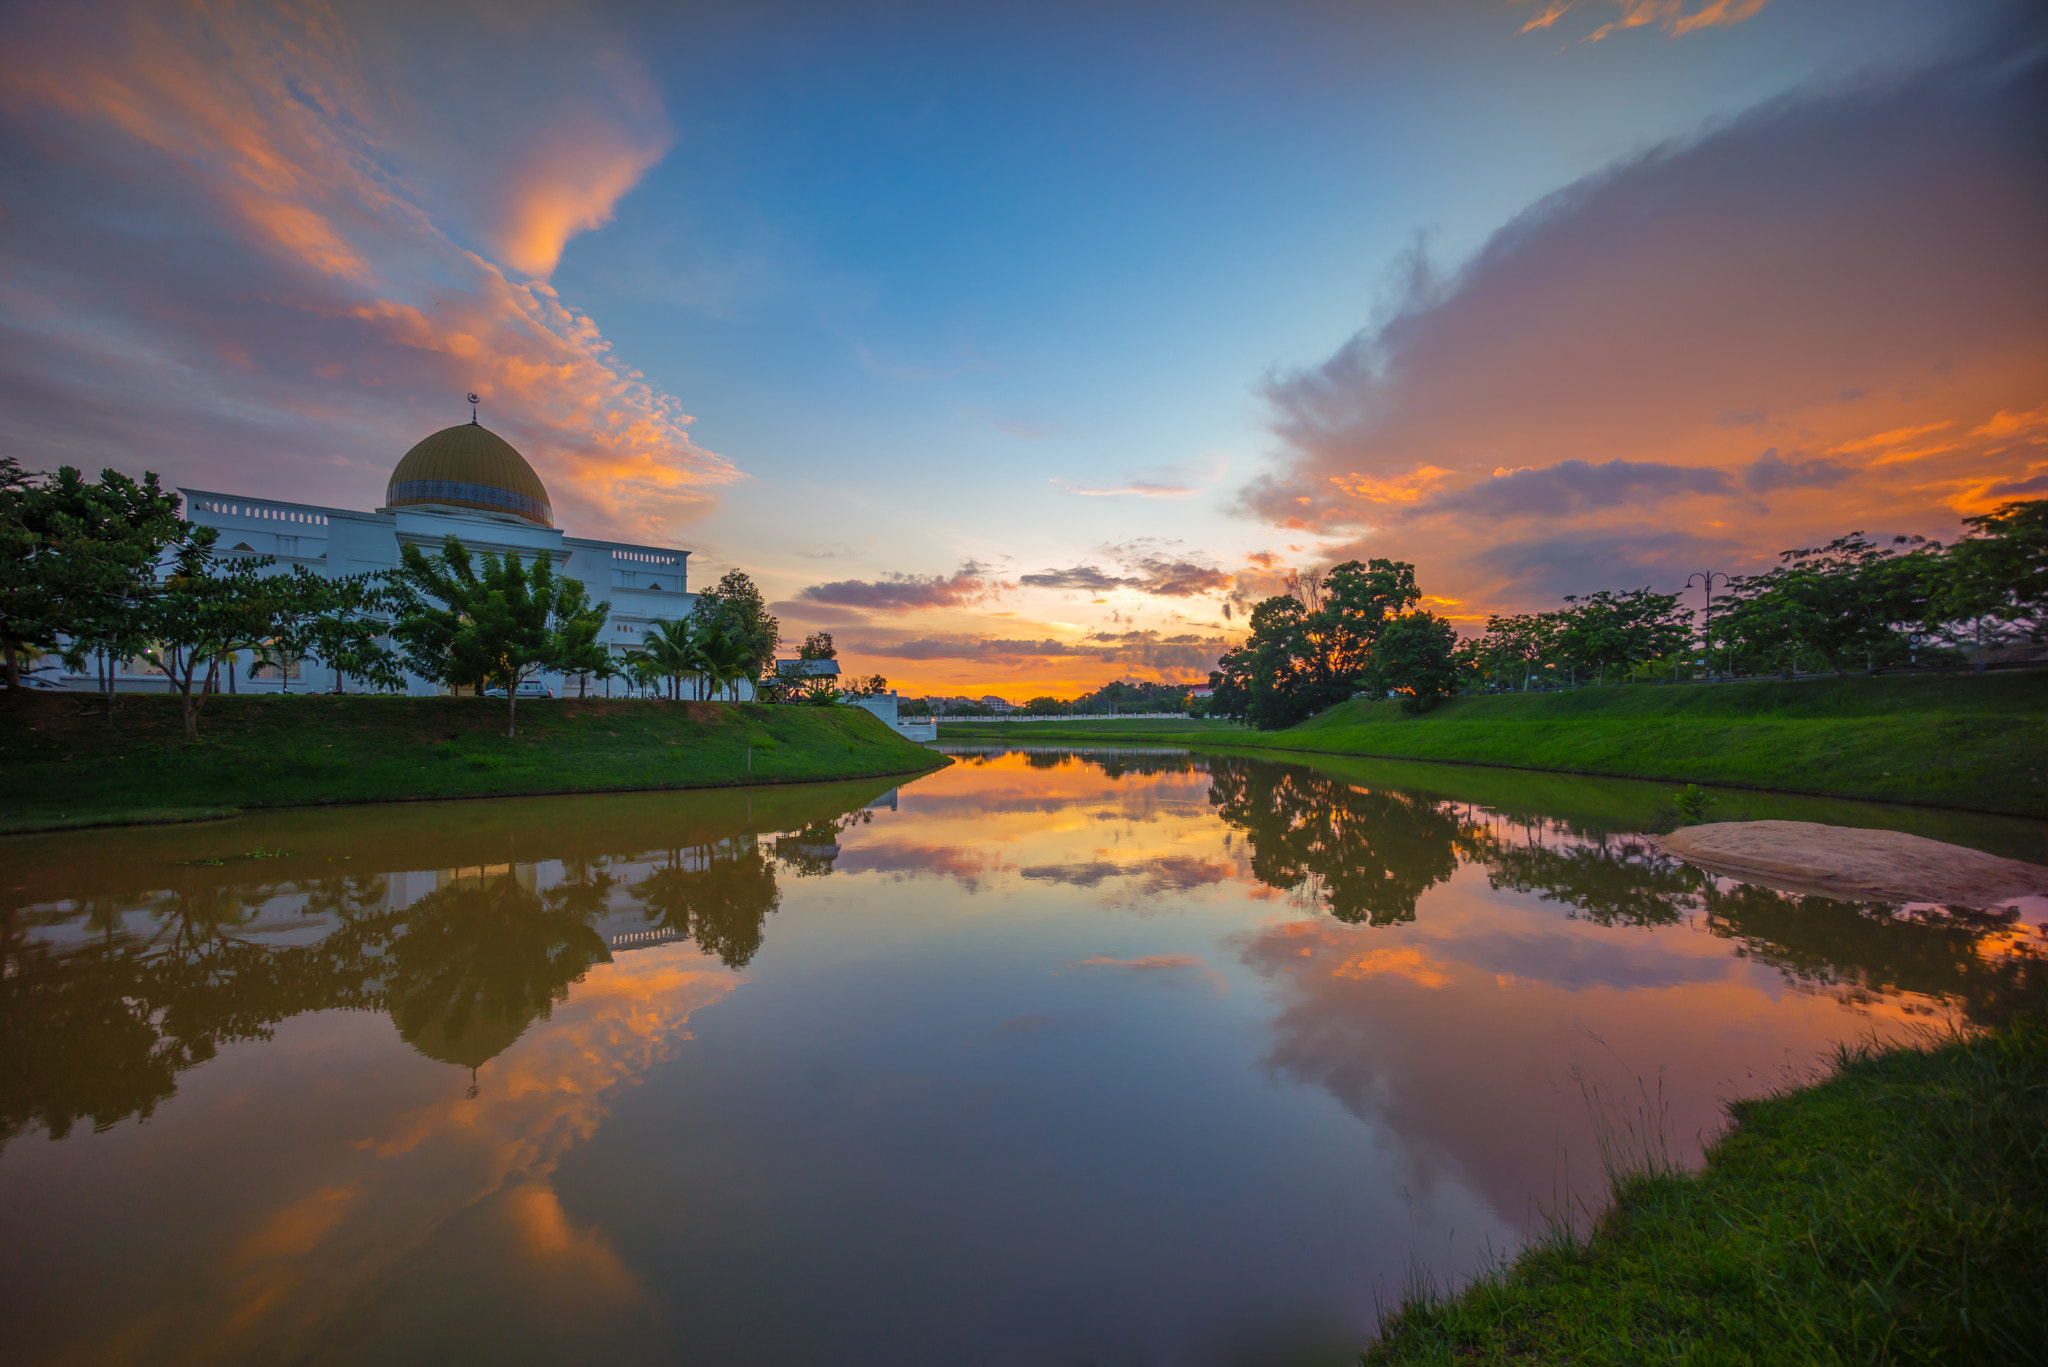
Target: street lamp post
[(1706, 579)]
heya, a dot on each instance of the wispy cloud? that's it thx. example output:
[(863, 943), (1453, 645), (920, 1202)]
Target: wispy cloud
[(1136, 490)]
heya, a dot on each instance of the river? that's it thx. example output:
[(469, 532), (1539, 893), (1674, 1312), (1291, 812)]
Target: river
[(1114, 1056)]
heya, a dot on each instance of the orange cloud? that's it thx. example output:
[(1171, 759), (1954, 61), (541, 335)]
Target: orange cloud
[(1408, 488), (1672, 15), (572, 176), (2004, 424), (1881, 440)]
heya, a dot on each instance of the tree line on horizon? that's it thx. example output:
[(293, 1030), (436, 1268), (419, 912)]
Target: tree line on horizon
[(1852, 604)]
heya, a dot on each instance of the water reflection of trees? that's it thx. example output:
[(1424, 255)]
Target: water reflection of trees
[(1366, 855), (1623, 883), (105, 1000), (1864, 951), (718, 895), (98, 1031), (1369, 855), (481, 958)]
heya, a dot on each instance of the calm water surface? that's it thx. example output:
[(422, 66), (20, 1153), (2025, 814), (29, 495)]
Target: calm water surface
[(1050, 1057)]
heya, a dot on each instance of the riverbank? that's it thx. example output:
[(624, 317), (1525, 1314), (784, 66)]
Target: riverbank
[(69, 762), (1896, 1211), (1970, 742)]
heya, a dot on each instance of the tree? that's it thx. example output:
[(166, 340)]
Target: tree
[(76, 560), (310, 616), (738, 603), (1044, 707), (1310, 649), (1845, 599), (1995, 581), (723, 656), (818, 646), (1414, 656), (669, 649), (201, 612), (492, 620)]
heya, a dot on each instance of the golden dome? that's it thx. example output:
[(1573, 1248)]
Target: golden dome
[(474, 469)]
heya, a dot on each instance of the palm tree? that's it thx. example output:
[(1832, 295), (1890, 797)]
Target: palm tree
[(723, 657), (671, 647)]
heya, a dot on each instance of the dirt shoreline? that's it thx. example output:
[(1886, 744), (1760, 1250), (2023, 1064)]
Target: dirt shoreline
[(1855, 864)]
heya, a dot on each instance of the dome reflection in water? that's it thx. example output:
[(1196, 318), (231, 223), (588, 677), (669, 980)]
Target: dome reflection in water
[(1131, 1054)]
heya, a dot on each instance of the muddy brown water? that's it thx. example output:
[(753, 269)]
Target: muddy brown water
[(1122, 1055)]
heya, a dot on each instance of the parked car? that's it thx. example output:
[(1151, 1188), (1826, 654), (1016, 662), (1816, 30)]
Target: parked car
[(531, 688)]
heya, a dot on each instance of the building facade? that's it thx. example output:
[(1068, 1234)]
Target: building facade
[(466, 482)]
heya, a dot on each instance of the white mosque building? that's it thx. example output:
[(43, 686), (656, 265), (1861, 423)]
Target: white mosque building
[(467, 482)]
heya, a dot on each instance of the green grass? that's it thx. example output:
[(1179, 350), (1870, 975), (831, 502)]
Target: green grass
[(1896, 1212), (68, 763), (1978, 743)]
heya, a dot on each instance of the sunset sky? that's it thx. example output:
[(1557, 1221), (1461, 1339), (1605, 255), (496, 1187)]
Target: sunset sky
[(1025, 346)]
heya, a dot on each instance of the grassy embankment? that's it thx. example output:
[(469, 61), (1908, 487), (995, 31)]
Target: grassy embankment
[(1896, 1212), (1979, 743), (68, 763)]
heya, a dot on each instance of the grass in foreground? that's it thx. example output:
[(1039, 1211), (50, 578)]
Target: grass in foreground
[(1896, 1212), (1978, 743), (69, 763)]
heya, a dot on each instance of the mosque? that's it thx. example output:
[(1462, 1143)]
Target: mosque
[(467, 482)]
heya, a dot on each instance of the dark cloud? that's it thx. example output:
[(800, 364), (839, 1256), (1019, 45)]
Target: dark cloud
[(1547, 568), (1162, 575), (906, 592), (1081, 578), (1769, 471), (1574, 486)]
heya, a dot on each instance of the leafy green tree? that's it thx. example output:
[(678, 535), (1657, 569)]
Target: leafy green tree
[(1995, 582), (204, 609), (1044, 707), (818, 646), (1415, 656), (466, 621), (1309, 650), (737, 603), (1849, 598), (312, 617), (77, 558)]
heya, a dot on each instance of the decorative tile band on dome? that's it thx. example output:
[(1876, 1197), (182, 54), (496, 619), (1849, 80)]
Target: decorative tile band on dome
[(473, 495)]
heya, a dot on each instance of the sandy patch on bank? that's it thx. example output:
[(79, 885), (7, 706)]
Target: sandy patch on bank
[(1853, 864)]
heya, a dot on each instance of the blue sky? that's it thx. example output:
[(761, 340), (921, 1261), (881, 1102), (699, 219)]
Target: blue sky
[(899, 307)]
